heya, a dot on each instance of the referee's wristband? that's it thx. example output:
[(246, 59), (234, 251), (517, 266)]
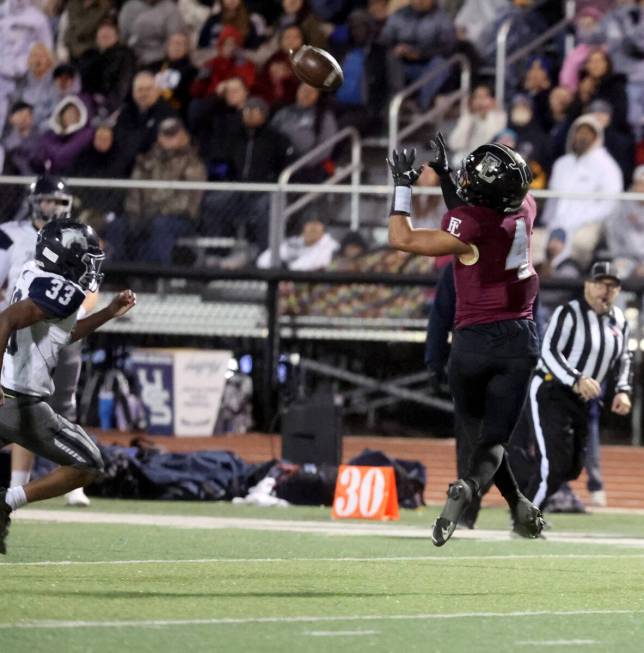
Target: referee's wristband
[(401, 202)]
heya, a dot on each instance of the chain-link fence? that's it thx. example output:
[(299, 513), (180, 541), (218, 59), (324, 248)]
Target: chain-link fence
[(197, 272)]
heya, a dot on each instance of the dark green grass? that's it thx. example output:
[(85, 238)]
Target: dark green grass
[(307, 578)]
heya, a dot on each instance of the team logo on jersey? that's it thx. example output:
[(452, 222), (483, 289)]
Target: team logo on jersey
[(488, 168), (454, 226)]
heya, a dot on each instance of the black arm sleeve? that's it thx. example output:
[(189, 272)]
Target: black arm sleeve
[(452, 200)]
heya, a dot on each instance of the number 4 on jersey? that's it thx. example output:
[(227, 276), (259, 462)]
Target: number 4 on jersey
[(518, 257)]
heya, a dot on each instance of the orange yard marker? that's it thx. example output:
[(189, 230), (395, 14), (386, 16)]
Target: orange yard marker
[(365, 493)]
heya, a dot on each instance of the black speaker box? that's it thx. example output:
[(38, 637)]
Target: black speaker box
[(312, 431)]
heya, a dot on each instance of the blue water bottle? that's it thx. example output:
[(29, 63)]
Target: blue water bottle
[(106, 409)]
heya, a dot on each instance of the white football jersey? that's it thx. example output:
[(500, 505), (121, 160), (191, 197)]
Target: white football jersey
[(17, 246), (32, 352)]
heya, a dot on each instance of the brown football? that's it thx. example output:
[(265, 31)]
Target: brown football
[(316, 67)]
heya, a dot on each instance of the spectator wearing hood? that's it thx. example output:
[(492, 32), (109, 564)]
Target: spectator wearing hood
[(619, 142), (229, 62), (587, 167), (145, 26), (138, 121), (22, 142), (107, 68), (625, 233), (21, 25), (159, 216), (37, 87), (68, 136), (176, 73)]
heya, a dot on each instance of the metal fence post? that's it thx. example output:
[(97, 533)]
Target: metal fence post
[(275, 231), (501, 46), (638, 391), (271, 355), (356, 163)]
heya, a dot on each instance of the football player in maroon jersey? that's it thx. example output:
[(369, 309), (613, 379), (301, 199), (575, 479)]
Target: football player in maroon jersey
[(488, 228)]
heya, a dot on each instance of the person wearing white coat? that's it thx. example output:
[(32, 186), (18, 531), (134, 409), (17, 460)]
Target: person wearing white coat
[(587, 167)]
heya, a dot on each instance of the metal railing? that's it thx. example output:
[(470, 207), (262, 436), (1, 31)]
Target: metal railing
[(462, 95), (503, 60), (281, 211)]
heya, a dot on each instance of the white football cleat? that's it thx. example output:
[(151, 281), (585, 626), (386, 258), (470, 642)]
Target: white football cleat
[(77, 498)]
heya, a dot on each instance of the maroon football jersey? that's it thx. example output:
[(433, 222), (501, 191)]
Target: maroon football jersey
[(500, 282)]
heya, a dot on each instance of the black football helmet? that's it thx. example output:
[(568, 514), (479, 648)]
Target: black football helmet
[(49, 199), (494, 176), (72, 250)]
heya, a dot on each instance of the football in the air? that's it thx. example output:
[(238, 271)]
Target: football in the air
[(316, 67)]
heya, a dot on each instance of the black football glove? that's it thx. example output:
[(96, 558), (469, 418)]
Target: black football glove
[(402, 168), (438, 155)]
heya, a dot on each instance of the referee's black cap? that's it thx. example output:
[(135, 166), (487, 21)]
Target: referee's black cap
[(604, 270)]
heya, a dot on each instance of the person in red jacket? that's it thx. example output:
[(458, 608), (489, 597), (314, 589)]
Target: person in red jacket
[(228, 63)]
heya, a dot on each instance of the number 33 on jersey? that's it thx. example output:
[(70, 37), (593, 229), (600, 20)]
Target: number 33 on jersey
[(32, 352)]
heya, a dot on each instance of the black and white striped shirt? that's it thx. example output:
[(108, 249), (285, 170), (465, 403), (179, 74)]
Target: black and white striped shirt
[(579, 342)]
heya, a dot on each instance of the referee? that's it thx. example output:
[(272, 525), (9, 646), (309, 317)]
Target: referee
[(586, 342)]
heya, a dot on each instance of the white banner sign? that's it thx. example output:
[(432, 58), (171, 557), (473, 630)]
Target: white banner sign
[(199, 379)]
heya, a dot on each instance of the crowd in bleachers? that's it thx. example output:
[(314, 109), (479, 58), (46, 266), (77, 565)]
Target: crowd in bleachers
[(202, 90)]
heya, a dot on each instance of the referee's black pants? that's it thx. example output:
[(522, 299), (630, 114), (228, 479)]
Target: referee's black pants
[(489, 370), (549, 444)]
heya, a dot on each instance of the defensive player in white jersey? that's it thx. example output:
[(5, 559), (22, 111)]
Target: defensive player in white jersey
[(42, 319), (49, 199)]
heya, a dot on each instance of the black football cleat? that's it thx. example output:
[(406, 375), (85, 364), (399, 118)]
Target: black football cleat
[(5, 511), (527, 520), (459, 496)]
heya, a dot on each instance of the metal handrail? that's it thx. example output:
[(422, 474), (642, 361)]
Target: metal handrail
[(502, 58), (279, 209), (396, 102)]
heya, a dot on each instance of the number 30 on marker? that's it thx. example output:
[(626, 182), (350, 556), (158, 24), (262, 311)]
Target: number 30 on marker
[(365, 493)]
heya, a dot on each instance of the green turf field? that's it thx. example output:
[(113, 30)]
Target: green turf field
[(149, 586)]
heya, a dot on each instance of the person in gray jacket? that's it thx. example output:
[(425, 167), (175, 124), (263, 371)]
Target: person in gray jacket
[(420, 37)]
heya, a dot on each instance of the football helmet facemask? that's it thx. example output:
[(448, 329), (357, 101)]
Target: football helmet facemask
[(72, 250), (49, 199)]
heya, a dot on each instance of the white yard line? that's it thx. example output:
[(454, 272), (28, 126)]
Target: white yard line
[(376, 559), (558, 642), (324, 528), (340, 633), (156, 623)]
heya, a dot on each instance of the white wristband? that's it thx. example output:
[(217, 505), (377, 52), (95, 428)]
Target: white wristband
[(402, 200)]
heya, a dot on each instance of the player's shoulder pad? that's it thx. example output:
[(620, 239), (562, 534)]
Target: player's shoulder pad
[(56, 295), (6, 241)]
